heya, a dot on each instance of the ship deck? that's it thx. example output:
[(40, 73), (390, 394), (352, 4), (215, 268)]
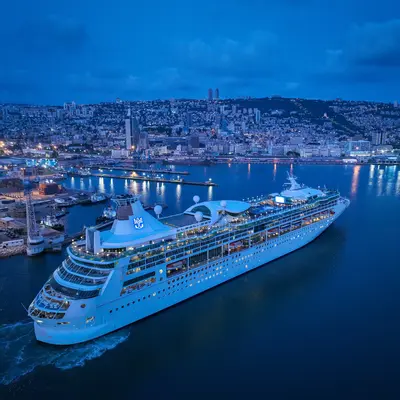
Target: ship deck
[(179, 220)]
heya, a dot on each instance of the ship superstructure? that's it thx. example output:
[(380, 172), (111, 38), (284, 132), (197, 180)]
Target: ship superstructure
[(144, 264)]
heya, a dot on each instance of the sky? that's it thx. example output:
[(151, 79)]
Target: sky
[(93, 50)]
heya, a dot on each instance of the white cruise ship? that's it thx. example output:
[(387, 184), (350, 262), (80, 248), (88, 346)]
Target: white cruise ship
[(144, 264)]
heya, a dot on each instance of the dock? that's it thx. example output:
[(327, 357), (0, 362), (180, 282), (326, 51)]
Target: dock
[(146, 170), (146, 178)]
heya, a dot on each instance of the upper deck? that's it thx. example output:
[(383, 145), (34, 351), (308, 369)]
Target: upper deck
[(137, 233)]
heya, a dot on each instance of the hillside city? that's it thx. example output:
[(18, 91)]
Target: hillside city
[(211, 128)]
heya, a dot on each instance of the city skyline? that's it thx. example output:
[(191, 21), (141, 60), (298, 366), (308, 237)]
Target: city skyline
[(62, 51)]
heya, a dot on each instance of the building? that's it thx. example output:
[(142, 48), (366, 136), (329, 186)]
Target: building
[(257, 113), (379, 138), (119, 153), (216, 94), (143, 143), (194, 141), (210, 94), (358, 147), (188, 120), (132, 131)]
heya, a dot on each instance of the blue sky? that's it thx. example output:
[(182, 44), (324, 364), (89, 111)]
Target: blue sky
[(92, 51)]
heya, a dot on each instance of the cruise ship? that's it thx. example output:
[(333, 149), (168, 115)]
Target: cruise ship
[(144, 264)]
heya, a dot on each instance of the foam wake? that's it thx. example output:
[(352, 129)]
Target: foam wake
[(21, 353)]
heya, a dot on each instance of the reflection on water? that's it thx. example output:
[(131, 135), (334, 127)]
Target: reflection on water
[(134, 187), (162, 192), (380, 182), (210, 193), (90, 184), (398, 183), (391, 175), (101, 185), (274, 172), (248, 170), (126, 187), (371, 177), (354, 181), (178, 193), (72, 182), (82, 184)]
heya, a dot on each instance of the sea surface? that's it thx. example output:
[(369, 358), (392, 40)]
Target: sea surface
[(320, 323)]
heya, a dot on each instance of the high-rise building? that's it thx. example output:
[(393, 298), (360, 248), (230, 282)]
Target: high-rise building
[(188, 120), (257, 113), (384, 138), (132, 131), (194, 141), (379, 138), (210, 94), (395, 104), (216, 94), (143, 141)]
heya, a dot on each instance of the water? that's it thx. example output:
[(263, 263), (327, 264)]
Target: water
[(319, 323)]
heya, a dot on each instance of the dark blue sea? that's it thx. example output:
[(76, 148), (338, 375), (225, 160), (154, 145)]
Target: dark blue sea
[(320, 323)]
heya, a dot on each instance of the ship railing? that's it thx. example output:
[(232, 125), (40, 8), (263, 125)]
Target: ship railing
[(80, 269), (77, 280), (248, 222)]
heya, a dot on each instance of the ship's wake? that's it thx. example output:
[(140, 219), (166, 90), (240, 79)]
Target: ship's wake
[(21, 353)]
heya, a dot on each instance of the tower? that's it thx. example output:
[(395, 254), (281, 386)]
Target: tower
[(188, 121), (257, 113), (216, 94), (210, 94), (132, 131), (34, 241)]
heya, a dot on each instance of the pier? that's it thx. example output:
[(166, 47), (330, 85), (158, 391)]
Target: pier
[(146, 178), (147, 170)]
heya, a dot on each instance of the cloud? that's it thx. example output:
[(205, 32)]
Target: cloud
[(172, 80), (51, 35), (292, 85), (257, 53), (375, 44), (369, 55)]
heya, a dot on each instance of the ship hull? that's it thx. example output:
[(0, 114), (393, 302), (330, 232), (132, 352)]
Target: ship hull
[(130, 308)]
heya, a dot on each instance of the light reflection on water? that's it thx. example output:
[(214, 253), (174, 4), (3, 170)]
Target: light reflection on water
[(210, 193), (354, 181), (101, 185), (380, 182)]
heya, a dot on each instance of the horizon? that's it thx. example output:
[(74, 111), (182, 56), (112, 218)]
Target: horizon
[(242, 98)]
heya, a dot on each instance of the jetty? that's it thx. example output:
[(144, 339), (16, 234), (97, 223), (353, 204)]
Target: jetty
[(146, 179), (146, 170)]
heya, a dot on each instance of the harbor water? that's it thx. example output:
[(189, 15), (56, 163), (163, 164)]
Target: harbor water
[(319, 323)]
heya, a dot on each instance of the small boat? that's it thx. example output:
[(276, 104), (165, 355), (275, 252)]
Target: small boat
[(98, 198), (61, 213), (51, 221), (65, 202), (108, 214)]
